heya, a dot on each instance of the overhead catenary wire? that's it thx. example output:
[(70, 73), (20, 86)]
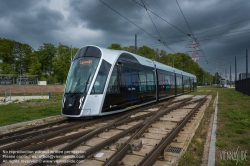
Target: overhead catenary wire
[(193, 34), (129, 11), (152, 20), (162, 18), (184, 18), (223, 26), (159, 29), (224, 36), (162, 7), (226, 33), (134, 24), (171, 42)]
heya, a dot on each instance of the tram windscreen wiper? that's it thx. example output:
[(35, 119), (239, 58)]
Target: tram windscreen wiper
[(76, 89), (81, 86), (87, 82)]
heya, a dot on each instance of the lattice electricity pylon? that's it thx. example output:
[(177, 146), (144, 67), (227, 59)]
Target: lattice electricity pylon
[(195, 55)]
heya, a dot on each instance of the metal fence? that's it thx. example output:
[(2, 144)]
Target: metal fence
[(5, 95), (243, 86)]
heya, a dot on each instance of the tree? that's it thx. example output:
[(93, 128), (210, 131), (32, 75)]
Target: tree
[(115, 46), (24, 55), (129, 49), (45, 54), (146, 52), (35, 65), (13, 56), (61, 63)]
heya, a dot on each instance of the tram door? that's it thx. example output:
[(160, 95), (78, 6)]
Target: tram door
[(130, 78), (134, 82)]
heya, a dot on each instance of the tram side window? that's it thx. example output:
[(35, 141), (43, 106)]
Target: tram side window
[(143, 80), (167, 80), (179, 81), (191, 82), (101, 78), (184, 81), (113, 86), (172, 81), (161, 79), (187, 82), (150, 81)]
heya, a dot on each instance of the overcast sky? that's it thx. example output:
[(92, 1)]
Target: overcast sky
[(222, 27)]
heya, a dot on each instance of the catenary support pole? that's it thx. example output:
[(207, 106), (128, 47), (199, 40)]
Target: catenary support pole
[(235, 79), (246, 64), (230, 77), (135, 43)]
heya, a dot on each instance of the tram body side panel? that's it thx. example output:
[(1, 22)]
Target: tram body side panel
[(166, 85), (179, 84), (131, 85)]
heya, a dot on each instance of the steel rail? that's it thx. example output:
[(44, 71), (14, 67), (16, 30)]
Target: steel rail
[(83, 155), (29, 147), (45, 136), (19, 132), (153, 155), (58, 141), (33, 134), (121, 152), (88, 136)]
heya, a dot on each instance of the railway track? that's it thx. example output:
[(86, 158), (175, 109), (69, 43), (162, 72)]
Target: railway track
[(137, 137)]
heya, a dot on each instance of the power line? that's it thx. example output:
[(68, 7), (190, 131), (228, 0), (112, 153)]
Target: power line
[(135, 24), (223, 26), (162, 18), (128, 11), (195, 39), (236, 53), (224, 36), (151, 20), (184, 18), (227, 33), (212, 38), (162, 7)]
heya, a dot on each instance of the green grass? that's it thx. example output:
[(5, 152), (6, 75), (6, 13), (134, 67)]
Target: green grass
[(30, 110), (189, 160), (234, 122), (221, 144), (233, 127), (194, 153)]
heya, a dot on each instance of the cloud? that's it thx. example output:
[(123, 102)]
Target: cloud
[(79, 23)]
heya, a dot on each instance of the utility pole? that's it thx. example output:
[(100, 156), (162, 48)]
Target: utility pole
[(216, 72), (183, 64), (203, 79), (135, 43), (20, 75), (226, 73), (246, 64), (230, 77), (173, 62), (71, 53), (235, 79)]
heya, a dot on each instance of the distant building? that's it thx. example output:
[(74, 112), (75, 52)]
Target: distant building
[(243, 76), (9, 79)]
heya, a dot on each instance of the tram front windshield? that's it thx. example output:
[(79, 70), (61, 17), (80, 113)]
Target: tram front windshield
[(81, 74)]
